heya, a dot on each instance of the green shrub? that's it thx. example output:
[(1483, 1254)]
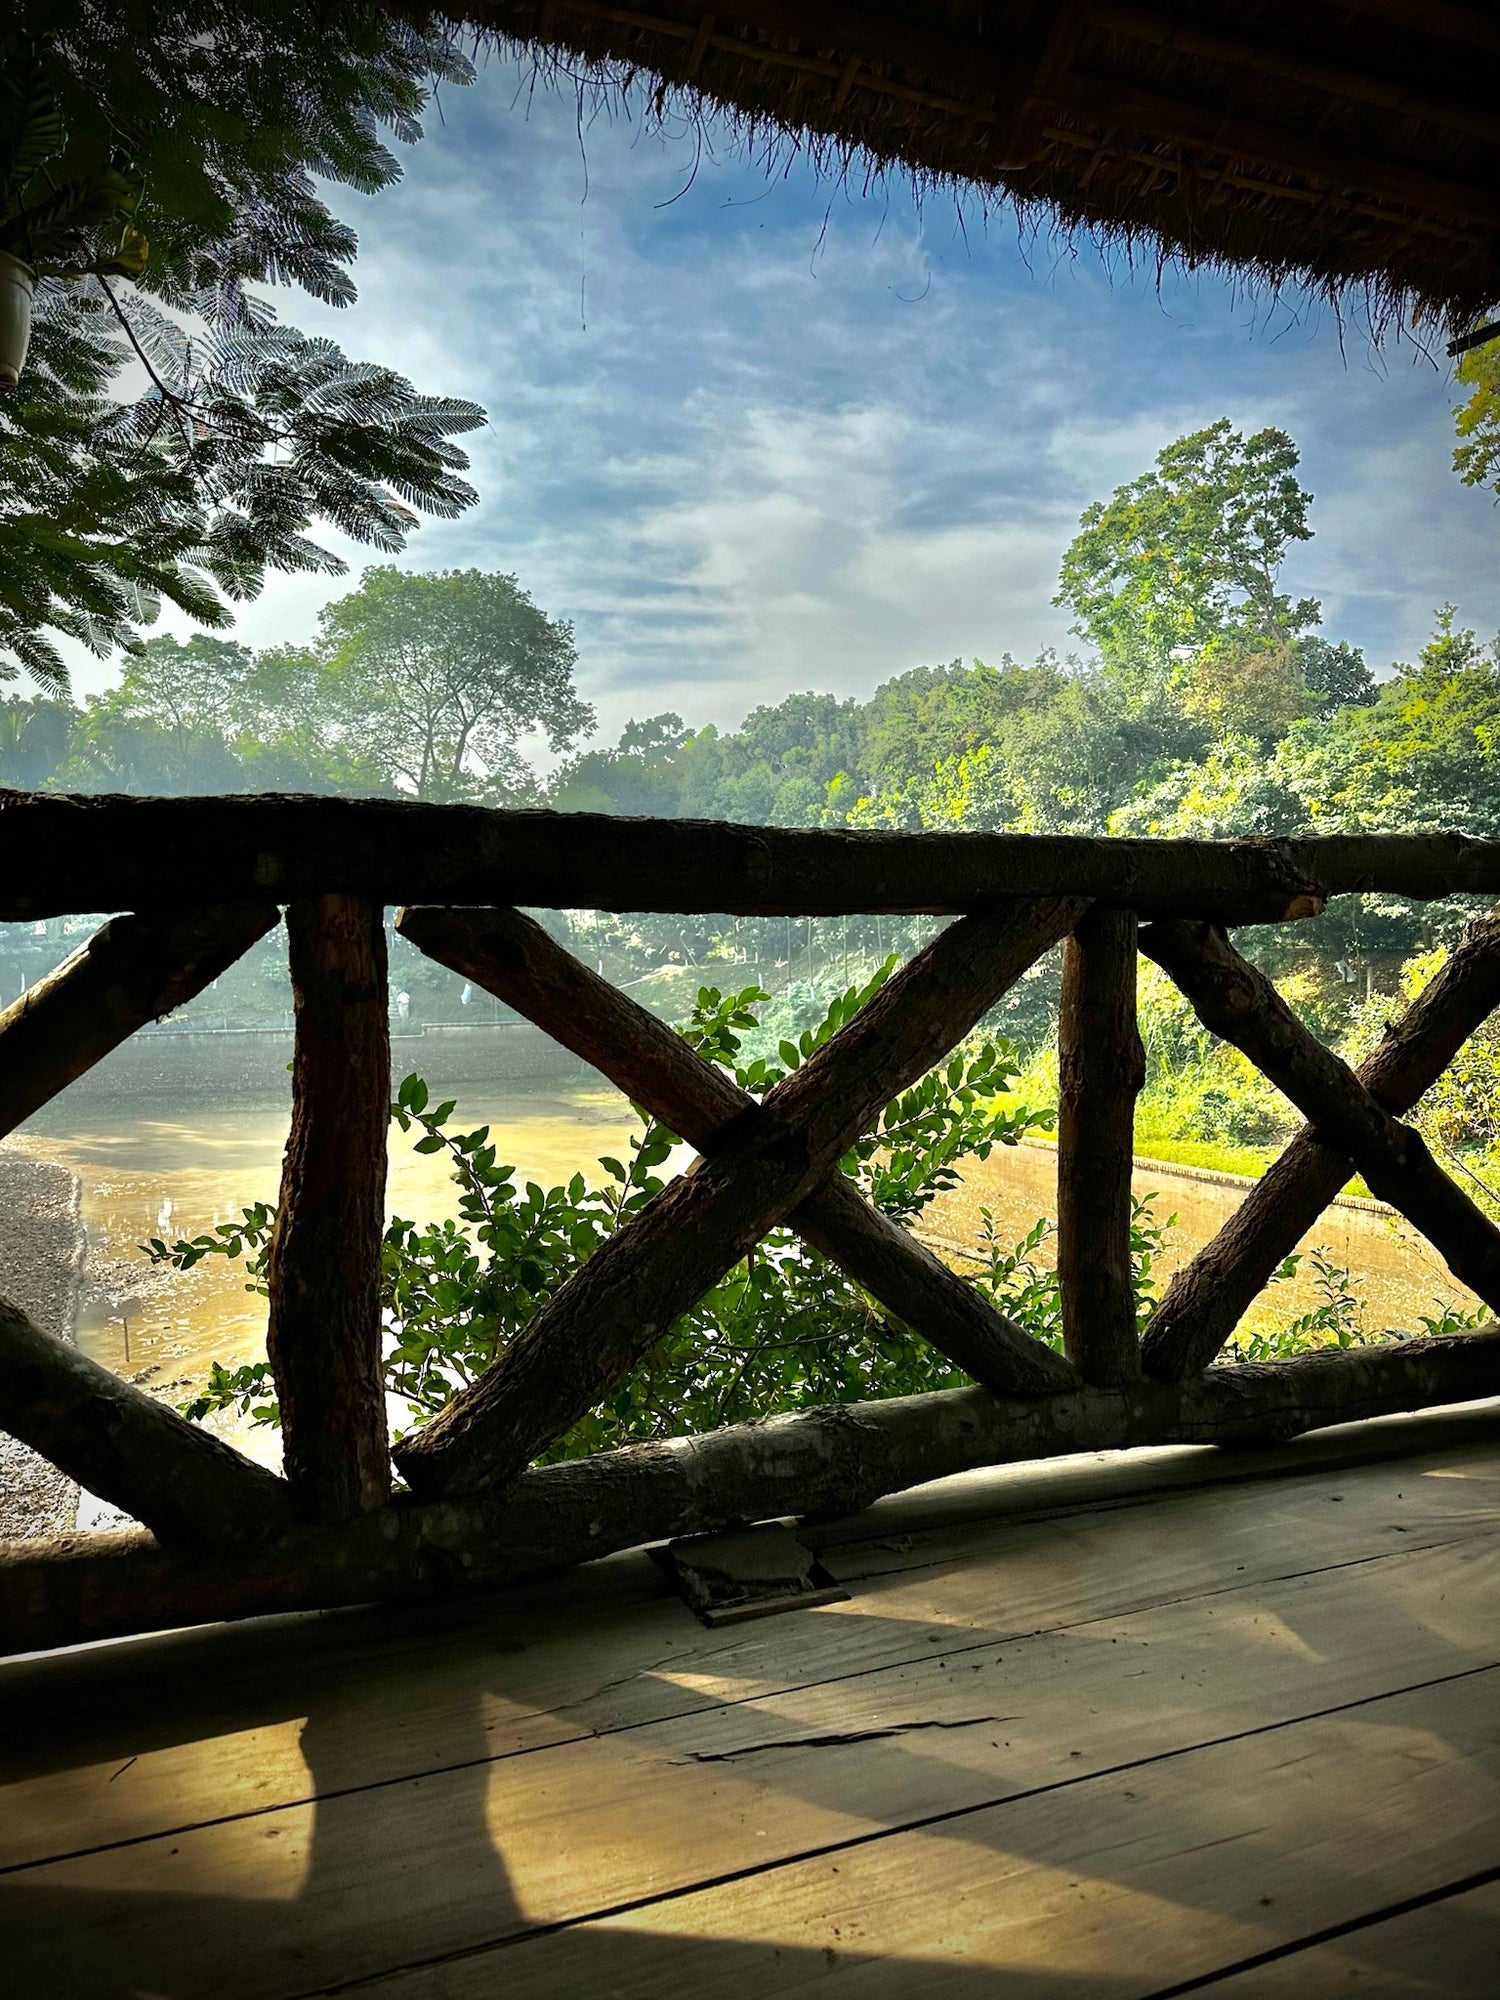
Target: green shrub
[(783, 1329)]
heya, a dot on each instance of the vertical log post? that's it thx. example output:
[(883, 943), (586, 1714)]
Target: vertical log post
[(1101, 1069), (324, 1268)]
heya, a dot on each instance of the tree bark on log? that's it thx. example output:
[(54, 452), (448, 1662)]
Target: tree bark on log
[(612, 1310), (1208, 1297), (513, 958), (132, 970), (1101, 1067), (825, 1462), (60, 854), (323, 1272), (185, 1484), (1234, 1000)]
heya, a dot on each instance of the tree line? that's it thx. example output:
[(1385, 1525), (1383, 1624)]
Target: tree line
[(1205, 699)]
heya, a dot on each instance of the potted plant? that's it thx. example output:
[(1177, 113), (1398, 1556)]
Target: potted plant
[(62, 214)]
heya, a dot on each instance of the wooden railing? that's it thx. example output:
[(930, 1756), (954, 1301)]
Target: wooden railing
[(205, 878)]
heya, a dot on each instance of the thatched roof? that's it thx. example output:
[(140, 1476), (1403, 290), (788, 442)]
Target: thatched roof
[(1350, 144)]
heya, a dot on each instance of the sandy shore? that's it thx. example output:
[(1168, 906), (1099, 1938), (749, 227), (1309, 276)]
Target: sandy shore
[(41, 1266)]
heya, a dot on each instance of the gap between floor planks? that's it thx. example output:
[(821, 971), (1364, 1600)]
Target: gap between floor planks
[(1444, 1948), (1140, 1882), (385, 1718), (425, 1870)]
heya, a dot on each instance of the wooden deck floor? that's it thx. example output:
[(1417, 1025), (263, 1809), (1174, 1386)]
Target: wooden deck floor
[(1145, 1726)]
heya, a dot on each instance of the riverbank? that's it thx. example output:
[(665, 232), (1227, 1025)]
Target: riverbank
[(41, 1271)]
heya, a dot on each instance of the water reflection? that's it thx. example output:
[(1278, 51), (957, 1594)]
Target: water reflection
[(145, 1175)]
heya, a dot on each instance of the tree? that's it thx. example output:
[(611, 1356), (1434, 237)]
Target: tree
[(1241, 686), (186, 687), (214, 118), (1191, 551), (1476, 458), (1334, 675), (34, 740), (433, 678), (641, 775)]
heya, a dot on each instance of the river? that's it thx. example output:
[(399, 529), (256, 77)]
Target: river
[(179, 1136)]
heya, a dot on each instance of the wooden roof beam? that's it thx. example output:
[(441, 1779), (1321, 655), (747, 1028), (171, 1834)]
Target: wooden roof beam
[(1450, 20), (1102, 97), (969, 62), (1166, 31)]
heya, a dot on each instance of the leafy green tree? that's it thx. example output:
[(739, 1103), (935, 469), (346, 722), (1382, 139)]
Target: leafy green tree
[(1334, 674), (34, 741), (641, 775), (186, 686), (1191, 551), (1476, 457), (1238, 685), (1425, 754), (775, 769), (928, 715), (220, 121), (208, 715), (117, 748), (432, 679)]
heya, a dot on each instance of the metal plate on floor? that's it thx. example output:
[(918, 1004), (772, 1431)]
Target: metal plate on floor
[(747, 1573)]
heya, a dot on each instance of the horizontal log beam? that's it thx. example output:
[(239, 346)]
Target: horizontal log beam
[(827, 1462), (1208, 1296), (1235, 1000), (133, 970), (513, 958), (593, 1331), (185, 1484), (60, 854)]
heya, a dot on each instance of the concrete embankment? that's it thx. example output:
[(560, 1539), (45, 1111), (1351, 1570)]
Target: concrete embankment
[(41, 1271)]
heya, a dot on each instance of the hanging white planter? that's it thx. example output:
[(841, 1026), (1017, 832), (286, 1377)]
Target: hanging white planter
[(17, 290)]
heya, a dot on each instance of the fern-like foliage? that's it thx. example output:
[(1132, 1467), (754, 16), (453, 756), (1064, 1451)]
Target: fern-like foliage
[(229, 114)]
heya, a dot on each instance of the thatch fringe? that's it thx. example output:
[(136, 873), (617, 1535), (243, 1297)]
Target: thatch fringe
[(1261, 138)]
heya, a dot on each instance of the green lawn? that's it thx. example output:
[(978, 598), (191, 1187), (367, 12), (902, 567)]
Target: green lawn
[(1220, 1156)]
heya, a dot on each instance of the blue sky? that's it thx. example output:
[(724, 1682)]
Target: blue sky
[(759, 434)]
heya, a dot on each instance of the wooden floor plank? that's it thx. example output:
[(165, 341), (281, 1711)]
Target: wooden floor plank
[(120, 1748), (314, 1895), (1123, 1886), (1447, 1950)]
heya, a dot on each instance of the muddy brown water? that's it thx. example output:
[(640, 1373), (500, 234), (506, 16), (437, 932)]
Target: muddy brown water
[(171, 1141), (1397, 1276)]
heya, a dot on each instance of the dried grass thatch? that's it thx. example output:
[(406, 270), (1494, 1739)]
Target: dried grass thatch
[(1349, 145)]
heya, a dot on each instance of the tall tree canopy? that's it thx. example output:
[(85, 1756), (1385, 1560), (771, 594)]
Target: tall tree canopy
[(434, 678), (1476, 457), (1176, 579), (155, 166)]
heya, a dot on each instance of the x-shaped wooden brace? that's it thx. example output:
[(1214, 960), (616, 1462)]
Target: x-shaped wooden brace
[(1353, 1124), (761, 1163)]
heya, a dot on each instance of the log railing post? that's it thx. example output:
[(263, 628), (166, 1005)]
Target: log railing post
[(323, 1337), (1101, 1067)]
